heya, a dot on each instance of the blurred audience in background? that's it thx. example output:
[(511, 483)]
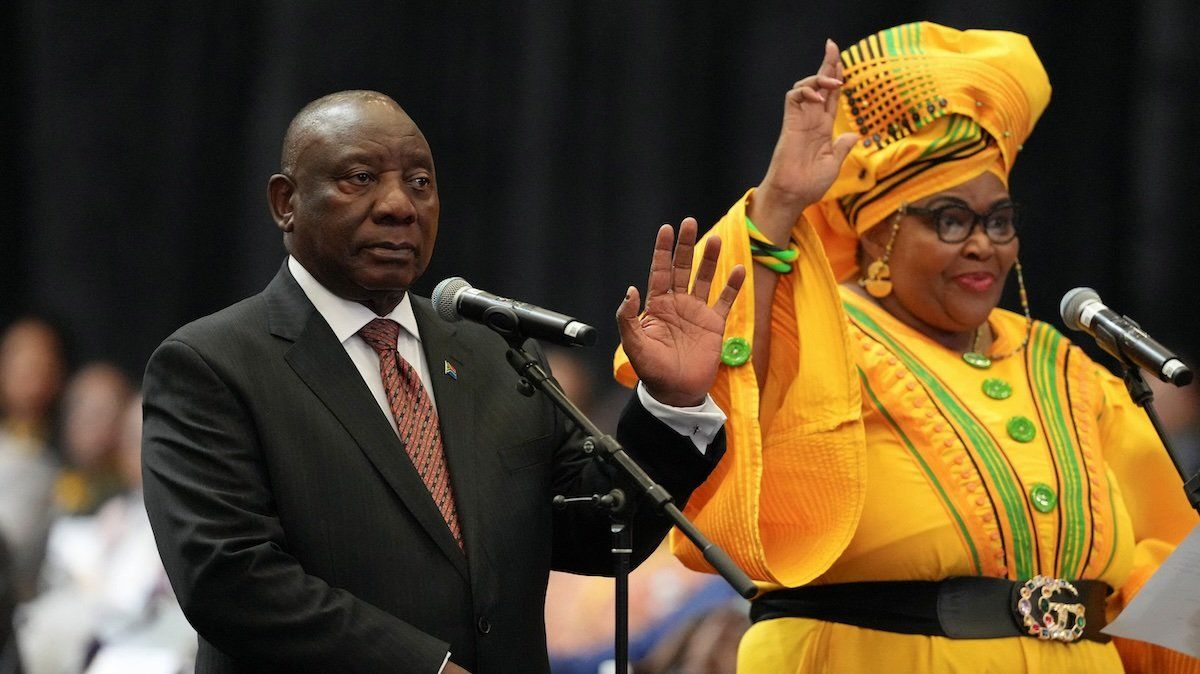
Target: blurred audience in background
[(680, 621), (81, 584), (704, 640), (32, 369), (92, 407), (106, 605)]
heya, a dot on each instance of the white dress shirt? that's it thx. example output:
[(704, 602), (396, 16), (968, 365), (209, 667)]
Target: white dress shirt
[(346, 318)]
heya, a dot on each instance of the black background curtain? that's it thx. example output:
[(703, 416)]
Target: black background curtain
[(139, 136)]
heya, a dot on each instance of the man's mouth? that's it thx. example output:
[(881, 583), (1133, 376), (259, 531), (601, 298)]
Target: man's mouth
[(389, 250)]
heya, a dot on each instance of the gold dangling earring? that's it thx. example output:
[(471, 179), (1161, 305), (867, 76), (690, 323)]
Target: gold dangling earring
[(1024, 308), (878, 281), (974, 353)]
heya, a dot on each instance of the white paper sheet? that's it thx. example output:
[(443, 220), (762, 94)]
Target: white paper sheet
[(140, 659), (1167, 609)]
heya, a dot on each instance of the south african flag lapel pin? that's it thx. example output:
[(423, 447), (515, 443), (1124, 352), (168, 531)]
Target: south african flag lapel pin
[(450, 371)]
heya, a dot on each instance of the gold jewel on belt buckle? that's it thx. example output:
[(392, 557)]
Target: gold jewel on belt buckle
[(1059, 620)]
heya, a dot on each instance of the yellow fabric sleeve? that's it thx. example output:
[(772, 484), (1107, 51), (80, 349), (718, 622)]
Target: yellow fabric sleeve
[(1158, 510), (784, 501)]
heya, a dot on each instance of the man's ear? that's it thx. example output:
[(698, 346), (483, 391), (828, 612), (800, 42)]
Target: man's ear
[(280, 190)]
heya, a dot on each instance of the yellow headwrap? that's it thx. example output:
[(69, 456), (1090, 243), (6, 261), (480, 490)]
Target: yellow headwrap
[(935, 107)]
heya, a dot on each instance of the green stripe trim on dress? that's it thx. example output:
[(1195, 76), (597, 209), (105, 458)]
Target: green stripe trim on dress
[(1073, 496), (962, 526), (1006, 486), (1112, 503), (1037, 376), (1044, 356), (1090, 516)]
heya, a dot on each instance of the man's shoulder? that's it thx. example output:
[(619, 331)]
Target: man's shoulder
[(240, 322)]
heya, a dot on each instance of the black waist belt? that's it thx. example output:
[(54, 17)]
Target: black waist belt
[(961, 607)]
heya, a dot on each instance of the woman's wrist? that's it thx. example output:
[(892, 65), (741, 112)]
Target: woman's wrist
[(775, 212)]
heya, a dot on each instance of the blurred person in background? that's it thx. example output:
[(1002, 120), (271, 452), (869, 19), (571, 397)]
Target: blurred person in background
[(576, 379), (92, 406), (32, 368), (701, 643), (107, 606), (600, 398), (1178, 408)]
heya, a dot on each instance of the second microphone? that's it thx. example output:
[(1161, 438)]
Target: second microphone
[(455, 299)]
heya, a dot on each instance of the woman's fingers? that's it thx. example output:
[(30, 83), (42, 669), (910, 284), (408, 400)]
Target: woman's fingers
[(831, 75), (811, 95), (829, 64)]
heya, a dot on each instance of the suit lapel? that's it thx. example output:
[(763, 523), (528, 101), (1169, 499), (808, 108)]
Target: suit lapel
[(322, 363), (454, 395)]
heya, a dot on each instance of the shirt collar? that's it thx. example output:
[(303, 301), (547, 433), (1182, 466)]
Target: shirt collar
[(345, 317)]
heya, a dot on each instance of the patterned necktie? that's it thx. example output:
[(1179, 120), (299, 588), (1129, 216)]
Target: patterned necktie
[(416, 419)]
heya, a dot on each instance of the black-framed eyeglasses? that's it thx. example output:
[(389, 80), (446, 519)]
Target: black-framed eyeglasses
[(954, 223)]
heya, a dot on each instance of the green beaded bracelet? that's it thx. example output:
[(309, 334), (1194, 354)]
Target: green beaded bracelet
[(768, 254)]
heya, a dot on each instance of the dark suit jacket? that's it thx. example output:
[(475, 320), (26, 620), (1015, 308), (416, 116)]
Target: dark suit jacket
[(298, 536)]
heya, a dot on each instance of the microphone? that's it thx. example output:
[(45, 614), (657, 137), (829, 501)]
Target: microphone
[(455, 299), (1082, 310)]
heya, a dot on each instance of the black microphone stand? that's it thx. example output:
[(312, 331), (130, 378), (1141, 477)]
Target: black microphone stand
[(622, 547), (1143, 397), (605, 448)]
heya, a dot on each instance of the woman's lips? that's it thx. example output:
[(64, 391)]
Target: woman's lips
[(975, 282)]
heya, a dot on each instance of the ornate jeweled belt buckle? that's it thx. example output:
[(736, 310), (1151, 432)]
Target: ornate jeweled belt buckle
[(1044, 617)]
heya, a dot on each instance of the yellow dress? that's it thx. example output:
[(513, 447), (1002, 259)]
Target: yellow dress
[(873, 453)]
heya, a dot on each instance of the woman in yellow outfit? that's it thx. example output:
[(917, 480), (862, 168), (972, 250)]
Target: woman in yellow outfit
[(919, 480)]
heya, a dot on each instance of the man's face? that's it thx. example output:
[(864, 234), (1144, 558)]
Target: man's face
[(360, 209)]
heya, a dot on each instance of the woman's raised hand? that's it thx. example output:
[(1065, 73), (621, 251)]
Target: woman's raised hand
[(807, 158)]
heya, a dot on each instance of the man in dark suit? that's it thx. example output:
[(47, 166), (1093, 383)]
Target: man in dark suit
[(340, 481)]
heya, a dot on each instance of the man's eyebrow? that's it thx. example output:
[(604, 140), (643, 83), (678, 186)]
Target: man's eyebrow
[(361, 156), (422, 160)]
